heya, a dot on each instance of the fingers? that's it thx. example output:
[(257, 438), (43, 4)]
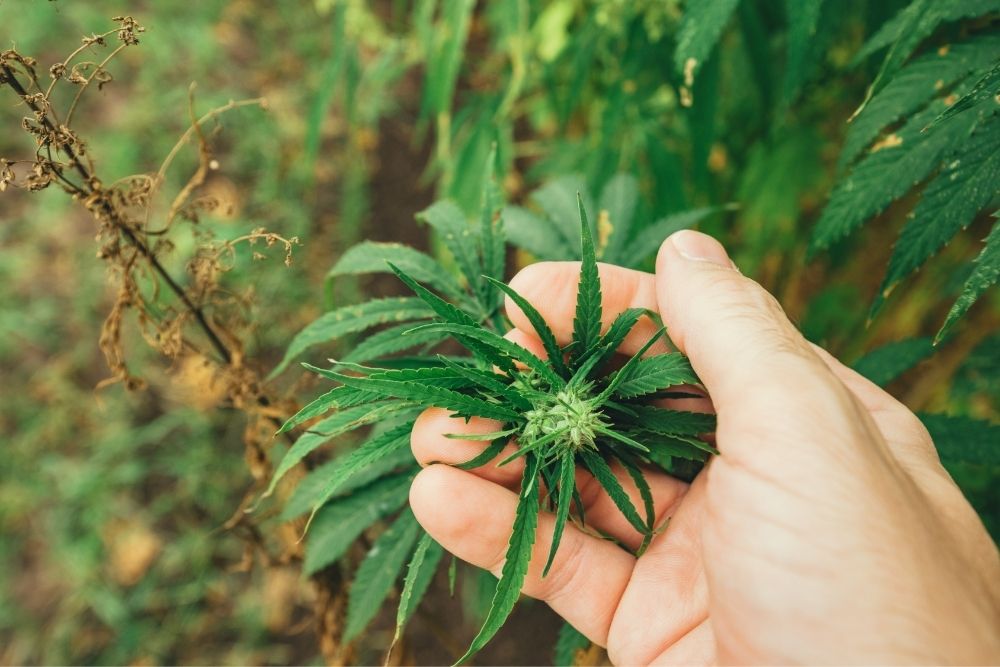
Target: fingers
[(753, 361), (431, 445), (695, 648), (472, 518), (551, 288), (668, 589)]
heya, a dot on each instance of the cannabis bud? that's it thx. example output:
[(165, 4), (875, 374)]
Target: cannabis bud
[(569, 420)]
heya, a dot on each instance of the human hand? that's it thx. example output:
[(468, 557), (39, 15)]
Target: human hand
[(826, 531)]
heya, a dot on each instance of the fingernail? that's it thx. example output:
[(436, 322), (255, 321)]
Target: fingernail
[(700, 247)]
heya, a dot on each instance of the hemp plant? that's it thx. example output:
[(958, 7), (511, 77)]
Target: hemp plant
[(575, 408)]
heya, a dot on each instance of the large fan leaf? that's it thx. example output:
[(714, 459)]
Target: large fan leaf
[(649, 239), (378, 572), (312, 487), (701, 26), (671, 422), (964, 440), (539, 324), (966, 185), (985, 273), (925, 78), (536, 234), (351, 319), (515, 567), (984, 93), (458, 236), (889, 172), (884, 364), (803, 20), (430, 395), (373, 257), (375, 448), (654, 374), (500, 345), (339, 523), (336, 424), (391, 341), (559, 199), (948, 10), (918, 20)]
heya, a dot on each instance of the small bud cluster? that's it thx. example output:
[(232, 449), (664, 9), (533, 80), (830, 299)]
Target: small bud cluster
[(570, 412)]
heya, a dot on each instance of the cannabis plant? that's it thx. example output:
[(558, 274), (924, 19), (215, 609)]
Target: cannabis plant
[(574, 407)]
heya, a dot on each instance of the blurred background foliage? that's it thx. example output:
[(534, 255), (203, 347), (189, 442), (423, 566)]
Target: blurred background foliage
[(114, 505)]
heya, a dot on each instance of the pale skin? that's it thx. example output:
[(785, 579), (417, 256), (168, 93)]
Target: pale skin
[(827, 530)]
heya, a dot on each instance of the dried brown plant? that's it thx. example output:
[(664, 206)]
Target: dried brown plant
[(198, 327)]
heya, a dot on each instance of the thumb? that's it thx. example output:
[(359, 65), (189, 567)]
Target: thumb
[(764, 378)]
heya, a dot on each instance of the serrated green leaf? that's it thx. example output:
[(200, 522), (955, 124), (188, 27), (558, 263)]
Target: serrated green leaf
[(886, 174), (339, 523), (377, 447), (964, 440), (352, 319), (310, 489), (540, 326), (624, 373), (654, 374), (443, 309), (458, 236), (373, 257), (619, 199), (648, 507), (919, 19), (701, 26), (419, 573), (484, 457), (559, 198), (672, 422), (624, 439), (884, 364), (336, 424), (587, 322), (378, 573), (536, 234), (983, 93), (506, 347), (490, 381), (985, 272), (454, 315), (922, 80), (664, 448), (649, 239), (615, 336), (389, 342), (430, 395), (436, 375), (569, 645), (599, 468), (515, 566), (567, 482), (950, 10), (803, 20)]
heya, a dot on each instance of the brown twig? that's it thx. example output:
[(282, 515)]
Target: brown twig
[(88, 190)]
